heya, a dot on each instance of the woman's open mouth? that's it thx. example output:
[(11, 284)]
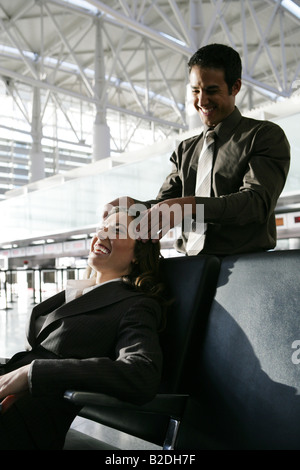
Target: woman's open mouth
[(100, 249)]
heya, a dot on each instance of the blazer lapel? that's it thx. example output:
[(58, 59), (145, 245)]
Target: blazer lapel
[(43, 308), (95, 299)]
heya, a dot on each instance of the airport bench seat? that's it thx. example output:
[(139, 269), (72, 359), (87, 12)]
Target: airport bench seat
[(247, 380), (242, 375)]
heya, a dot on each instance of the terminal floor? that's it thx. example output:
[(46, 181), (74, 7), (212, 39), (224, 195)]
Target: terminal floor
[(13, 319)]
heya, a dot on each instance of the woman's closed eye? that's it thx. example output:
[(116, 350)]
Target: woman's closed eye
[(112, 231), (120, 230)]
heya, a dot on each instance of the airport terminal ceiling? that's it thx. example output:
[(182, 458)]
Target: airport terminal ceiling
[(68, 65), (72, 68)]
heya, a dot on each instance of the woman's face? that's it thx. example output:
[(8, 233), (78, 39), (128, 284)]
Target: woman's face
[(112, 249)]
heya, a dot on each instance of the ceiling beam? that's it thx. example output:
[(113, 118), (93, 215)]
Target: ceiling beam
[(48, 86), (141, 28)]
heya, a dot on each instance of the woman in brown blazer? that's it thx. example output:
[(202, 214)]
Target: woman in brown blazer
[(102, 336)]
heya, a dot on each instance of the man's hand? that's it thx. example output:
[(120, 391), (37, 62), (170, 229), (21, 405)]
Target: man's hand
[(164, 216), (121, 201)]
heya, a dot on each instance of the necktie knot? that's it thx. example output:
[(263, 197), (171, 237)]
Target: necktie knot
[(210, 136)]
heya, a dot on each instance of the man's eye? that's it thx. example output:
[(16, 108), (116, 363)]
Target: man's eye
[(212, 91)]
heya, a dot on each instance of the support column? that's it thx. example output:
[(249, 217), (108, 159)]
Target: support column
[(101, 131), (196, 32), (196, 23), (37, 158)]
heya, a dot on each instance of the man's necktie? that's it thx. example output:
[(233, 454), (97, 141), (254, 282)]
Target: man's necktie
[(203, 188)]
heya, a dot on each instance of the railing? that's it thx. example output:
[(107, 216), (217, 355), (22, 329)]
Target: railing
[(41, 281)]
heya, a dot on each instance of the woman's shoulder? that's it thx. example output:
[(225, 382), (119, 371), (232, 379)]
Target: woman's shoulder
[(127, 292), (137, 294), (141, 304)]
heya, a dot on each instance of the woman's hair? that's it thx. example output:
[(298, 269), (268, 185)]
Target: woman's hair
[(145, 273)]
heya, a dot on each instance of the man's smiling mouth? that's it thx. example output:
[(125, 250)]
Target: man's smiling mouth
[(207, 111)]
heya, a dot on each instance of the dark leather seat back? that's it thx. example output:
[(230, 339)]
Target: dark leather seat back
[(191, 282), (247, 388)]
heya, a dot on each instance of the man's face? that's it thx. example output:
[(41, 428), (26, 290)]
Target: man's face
[(211, 95)]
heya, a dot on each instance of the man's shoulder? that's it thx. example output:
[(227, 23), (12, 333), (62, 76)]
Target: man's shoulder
[(191, 141), (254, 123), (263, 132)]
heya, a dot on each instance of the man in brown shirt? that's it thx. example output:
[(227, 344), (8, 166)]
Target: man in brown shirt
[(250, 165)]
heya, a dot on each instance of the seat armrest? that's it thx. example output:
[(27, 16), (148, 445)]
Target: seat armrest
[(171, 405)]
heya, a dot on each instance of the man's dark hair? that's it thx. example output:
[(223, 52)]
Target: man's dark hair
[(219, 56)]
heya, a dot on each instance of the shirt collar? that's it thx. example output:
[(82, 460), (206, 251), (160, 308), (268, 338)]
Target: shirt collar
[(76, 288), (226, 126)]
